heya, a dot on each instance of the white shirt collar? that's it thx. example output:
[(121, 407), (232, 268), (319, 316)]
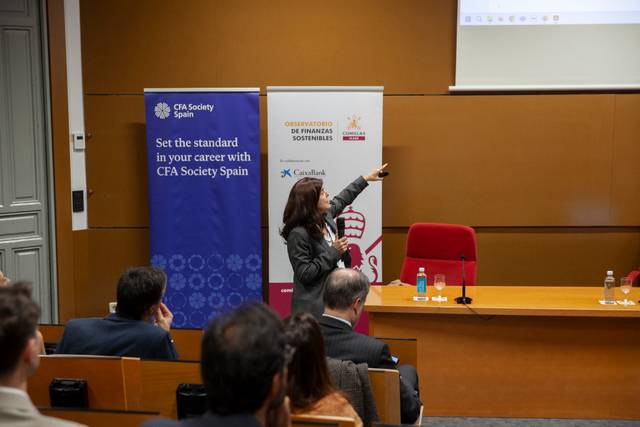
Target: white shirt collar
[(13, 390), (345, 321)]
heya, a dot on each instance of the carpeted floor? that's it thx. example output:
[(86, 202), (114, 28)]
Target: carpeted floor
[(523, 422)]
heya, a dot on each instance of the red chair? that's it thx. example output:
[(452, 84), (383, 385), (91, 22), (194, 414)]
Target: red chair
[(634, 276), (438, 248)]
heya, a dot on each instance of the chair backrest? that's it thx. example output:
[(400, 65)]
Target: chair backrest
[(188, 343), (100, 417), (385, 384), (405, 349), (634, 276), (418, 421), (160, 379), (112, 382), (438, 248), (353, 381), (321, 421), (51, 333)]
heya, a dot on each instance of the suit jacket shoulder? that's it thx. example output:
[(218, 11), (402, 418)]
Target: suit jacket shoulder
[(116, 336), (341, 342), (17, 410)]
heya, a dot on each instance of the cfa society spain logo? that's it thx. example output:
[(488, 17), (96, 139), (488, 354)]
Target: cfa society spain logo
[(162, 110)]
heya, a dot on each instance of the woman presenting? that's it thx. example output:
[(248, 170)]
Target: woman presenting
[(311, 234)]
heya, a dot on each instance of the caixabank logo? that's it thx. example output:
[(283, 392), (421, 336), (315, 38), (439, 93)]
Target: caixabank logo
[(297, 173), (354, 131)]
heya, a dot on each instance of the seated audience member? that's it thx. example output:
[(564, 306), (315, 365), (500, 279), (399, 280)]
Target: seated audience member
[(5, 281), (243, 370), (19, 358), (344, 296), (309, 384), (129, 331)]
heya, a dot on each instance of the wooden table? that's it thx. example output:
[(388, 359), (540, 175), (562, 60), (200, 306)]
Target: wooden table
[(518, 351)]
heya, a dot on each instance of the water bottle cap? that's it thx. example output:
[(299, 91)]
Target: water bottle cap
[(609, 272), (421, 270)]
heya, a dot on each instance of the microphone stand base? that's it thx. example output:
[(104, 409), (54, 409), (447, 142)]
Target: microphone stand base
[(463, 300)]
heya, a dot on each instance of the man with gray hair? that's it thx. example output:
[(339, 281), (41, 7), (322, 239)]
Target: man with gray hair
[(344, 295)]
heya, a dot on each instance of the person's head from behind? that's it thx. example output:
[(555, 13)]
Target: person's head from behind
[(306, 203), (345, 292), (18, 340), (243, 362), (140, 291), (308, 375)]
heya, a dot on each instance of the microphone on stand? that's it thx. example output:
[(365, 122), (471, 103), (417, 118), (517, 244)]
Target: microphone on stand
[(346, 256), (464, 299)]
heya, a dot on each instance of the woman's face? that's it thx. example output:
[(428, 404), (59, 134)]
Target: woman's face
[(323, 201)]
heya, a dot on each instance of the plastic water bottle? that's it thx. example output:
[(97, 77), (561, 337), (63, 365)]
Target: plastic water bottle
[(421, 284), (609, 288)]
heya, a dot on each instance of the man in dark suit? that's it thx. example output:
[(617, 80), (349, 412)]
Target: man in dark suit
[(344, 295), (244, 355), (129, 331)]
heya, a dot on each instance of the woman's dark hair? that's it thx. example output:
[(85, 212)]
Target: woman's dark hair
[(308, 377), (302, 208)]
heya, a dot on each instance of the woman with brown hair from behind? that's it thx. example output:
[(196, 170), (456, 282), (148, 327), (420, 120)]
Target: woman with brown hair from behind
[(309, 385)]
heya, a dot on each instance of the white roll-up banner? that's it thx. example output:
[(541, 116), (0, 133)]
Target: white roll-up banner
[(335, 134)]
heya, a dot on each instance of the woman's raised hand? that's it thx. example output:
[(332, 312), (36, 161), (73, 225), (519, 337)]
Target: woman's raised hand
[(373, 175)]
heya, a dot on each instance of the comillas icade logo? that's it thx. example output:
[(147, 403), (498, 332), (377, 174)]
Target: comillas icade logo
[(354, 131), (162, 110)]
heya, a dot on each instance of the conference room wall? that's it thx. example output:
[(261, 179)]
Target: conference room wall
[(550, 181)]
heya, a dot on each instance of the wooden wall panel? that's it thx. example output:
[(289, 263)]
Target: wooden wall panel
[(544, 178), (479, 160), (407, 46), (109, 253), (498, 160), (116, 159), (625, 190), (534, 256)]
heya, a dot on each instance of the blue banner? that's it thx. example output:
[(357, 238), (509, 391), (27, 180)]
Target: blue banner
[(204, 199)]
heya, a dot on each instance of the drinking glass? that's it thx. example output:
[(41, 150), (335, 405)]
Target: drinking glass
[(439, 283), (625, 287)]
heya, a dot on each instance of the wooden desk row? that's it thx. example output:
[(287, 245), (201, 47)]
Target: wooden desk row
[(131, 384), (118, 383), (549, 352), (188, 343)]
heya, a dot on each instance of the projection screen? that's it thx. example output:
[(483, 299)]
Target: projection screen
[(548, 45)]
